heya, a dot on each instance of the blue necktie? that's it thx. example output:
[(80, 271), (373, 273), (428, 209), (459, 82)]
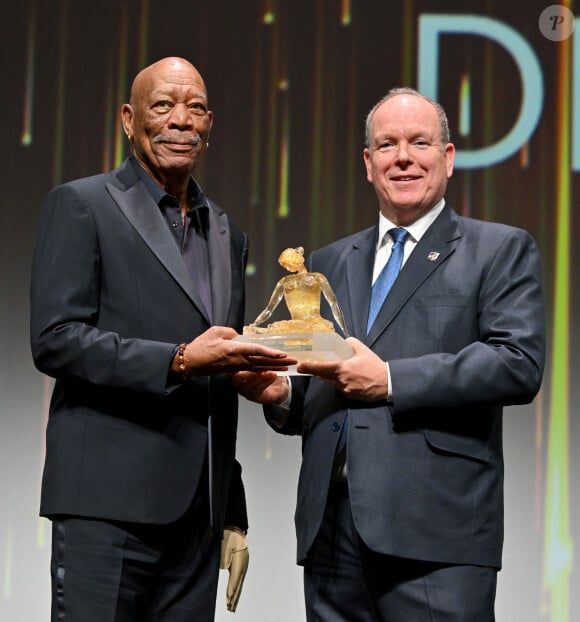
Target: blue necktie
[(379, 292), (389, 273)]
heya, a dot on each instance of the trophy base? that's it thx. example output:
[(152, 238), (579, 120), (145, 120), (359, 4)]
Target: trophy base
[(303, 347)]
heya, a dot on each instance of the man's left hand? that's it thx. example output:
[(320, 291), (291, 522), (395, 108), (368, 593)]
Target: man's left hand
[(362, 377), (235, 558)]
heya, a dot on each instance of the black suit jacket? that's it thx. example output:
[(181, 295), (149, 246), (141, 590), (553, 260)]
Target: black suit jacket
[(110, 299), (463, 333)]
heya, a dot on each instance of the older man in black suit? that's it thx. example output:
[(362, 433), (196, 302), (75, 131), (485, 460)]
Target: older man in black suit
[(131, 270), (400, 499)]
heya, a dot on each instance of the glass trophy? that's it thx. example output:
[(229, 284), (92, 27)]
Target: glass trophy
[(307, 336)]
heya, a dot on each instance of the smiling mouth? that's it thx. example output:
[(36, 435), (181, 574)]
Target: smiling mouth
[(176, 145), (178, 141)]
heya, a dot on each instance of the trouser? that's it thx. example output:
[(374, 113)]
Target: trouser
[(107, 571), (346, 582)]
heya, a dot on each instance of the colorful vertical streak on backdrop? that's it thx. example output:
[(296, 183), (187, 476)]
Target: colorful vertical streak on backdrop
[(29, 92), (558, 560)]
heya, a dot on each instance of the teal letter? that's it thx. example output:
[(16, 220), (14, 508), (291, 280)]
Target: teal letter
[(431, 26)]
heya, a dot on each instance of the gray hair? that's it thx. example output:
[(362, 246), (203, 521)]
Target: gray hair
[(406, 90)]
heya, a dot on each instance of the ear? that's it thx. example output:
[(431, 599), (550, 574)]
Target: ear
[(210, 118), (449, 158), (127, 120), (368, 164)]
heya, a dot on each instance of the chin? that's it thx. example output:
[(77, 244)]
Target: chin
[(180, 164)]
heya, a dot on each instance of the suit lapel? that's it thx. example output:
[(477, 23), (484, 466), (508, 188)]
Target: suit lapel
[(432, 251), (219, 263), (359, 271), (145, 217)]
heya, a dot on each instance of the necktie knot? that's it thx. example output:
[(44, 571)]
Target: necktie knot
[(389, 273), (398, 234)]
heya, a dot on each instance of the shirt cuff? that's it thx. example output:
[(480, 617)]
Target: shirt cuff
[(285, 405), (277, 414), (390, 387)]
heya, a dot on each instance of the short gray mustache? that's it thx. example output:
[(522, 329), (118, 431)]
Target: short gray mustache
[(194, 141)]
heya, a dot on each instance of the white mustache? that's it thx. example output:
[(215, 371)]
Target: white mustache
[(180, 139)]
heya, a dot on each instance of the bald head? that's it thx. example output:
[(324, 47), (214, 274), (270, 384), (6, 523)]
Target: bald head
[(168, 121), (172, 68), (402, 90)]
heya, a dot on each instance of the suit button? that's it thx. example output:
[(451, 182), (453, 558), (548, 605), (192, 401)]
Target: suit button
[(335, 426)]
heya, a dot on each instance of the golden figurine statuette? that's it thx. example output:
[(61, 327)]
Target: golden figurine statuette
[(301, 292), (307, 335)]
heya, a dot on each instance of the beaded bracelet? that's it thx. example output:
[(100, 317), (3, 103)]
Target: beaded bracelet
[(181, 360)]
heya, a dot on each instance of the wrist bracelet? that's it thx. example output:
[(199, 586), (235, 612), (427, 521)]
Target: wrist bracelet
[(181, 360)]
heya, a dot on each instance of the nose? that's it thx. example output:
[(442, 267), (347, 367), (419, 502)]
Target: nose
[(403, 153), (181, 117)]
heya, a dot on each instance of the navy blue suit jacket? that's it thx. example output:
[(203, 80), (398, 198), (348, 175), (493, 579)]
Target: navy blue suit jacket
[(110, 299), (463, 333)]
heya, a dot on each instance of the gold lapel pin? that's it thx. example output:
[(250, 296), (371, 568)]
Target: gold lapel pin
[(432, 256)]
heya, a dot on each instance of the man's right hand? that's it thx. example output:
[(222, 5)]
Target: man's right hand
[(215, 352), (263, 388)]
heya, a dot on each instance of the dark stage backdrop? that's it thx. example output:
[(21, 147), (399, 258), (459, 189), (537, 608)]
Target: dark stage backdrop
[(290, 83)]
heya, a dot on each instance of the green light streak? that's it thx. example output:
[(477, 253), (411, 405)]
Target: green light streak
[(317, 124), (558, 546), (26, 138), (109, 118), (277, 69), (354, 142), (284, 175), (345, 13), (121, 93), (465, 106), (60, 96), (256, 168)]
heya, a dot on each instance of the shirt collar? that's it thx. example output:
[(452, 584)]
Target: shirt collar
[(158, 194), (416, 229)]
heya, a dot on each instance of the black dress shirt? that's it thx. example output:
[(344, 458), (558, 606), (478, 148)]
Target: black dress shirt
[(191, 235)]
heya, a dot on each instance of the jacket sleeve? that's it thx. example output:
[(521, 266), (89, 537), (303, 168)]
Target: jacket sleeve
[(504, 365), (236, 511), (289, 422), (65, 303)]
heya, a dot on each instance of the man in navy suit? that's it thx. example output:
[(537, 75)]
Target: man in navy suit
[(137, 291), (405, 522)]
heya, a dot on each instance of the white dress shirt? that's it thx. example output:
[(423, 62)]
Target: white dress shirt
[(385, 244)]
